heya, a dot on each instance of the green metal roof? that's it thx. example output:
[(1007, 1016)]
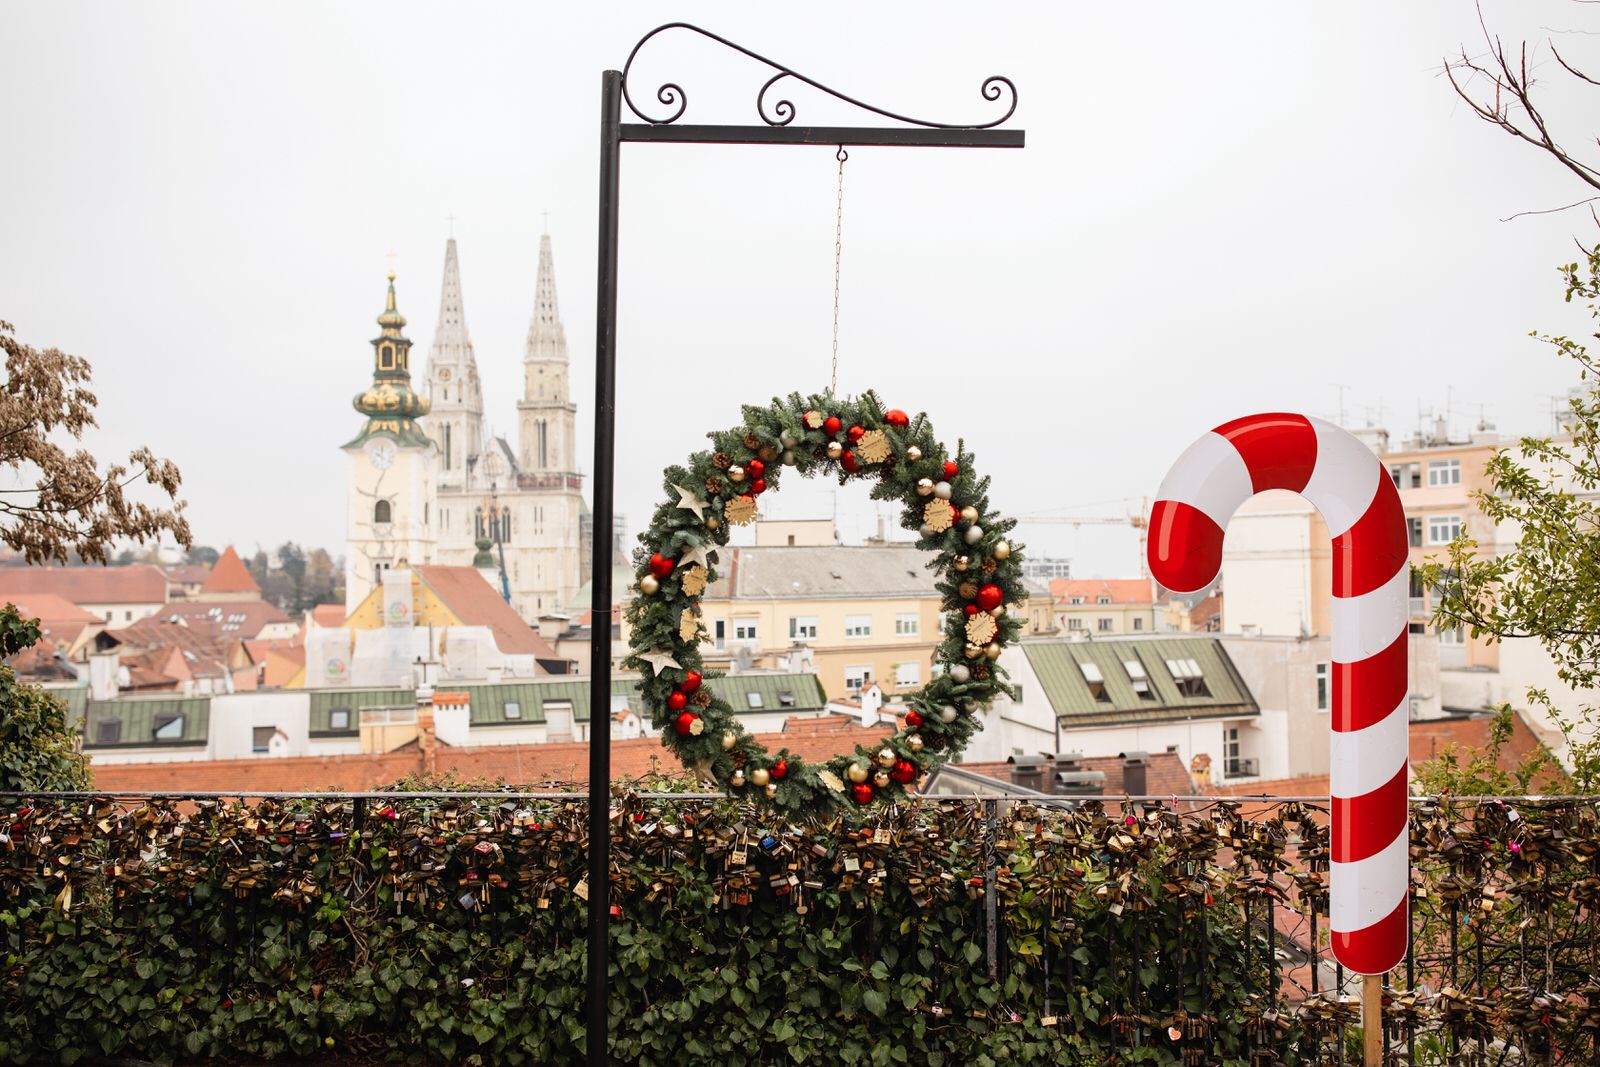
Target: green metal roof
[(139, 717), (75, 697), (1059, 666), (804, 692), (324, 701)]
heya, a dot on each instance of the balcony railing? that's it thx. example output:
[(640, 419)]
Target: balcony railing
[(1242, 768)]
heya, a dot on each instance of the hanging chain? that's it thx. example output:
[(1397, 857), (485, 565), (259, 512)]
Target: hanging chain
[(838, 249)]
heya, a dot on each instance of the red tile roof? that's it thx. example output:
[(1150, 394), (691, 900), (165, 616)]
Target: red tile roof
[(1120, 590), (226, 619), (475, 602), (1164, 774), (564, 763), (1430, 738), (186, 573), (51, 607), (137, 583), (229, 575)]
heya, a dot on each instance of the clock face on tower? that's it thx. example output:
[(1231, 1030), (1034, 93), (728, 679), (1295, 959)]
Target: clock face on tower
[(381, 452)]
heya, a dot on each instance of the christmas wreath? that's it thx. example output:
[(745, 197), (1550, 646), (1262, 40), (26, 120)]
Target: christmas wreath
[(978, 572)]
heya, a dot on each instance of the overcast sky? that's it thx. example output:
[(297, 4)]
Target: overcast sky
[(1222, 208)]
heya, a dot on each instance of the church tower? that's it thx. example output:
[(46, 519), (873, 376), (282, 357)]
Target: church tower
[(455, 419), (391, 472), (547, 430)]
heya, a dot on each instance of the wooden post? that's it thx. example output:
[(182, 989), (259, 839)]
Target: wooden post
[(1372, 1019)]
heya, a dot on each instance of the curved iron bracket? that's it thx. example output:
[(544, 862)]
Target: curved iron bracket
[(782, 112)]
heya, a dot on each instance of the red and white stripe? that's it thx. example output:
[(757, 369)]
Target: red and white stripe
[(1370, 870)]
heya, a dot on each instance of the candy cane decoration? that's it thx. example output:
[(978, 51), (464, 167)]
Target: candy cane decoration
[(1370, 870)]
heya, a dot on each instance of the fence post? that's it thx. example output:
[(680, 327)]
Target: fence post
[(991, 810), (1372, 1020)]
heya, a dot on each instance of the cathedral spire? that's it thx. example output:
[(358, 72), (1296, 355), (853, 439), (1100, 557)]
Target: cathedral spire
[(546, 338), (451, 342)]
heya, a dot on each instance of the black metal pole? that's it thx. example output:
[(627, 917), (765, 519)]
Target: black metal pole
[(605, 429)]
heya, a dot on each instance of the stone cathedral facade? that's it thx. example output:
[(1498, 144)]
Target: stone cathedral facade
[(515, 512)]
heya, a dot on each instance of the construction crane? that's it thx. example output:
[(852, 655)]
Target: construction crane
[(1136, 520)]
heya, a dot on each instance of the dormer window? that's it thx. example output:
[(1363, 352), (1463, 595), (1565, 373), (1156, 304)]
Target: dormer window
[(1096, 682)]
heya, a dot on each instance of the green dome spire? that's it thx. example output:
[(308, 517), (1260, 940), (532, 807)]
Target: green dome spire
[(390, 405)]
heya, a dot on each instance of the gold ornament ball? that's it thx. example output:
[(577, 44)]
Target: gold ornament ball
[(973, 651), (649, 585), (729, 739), (992, 650), (998, 610), (1002, 550), (772, 790), (968, 513), (856, 772), (962, 563), (835, 450), (913, 453), (881, 779), (926, 531), (915, 742), (736, 779), (736, 472), (788, 458), (924, 486), (712, 522), (760, 776), (887, 756)]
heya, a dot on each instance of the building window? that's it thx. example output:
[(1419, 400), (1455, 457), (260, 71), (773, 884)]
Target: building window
[(261, 738), (744, 629), (1102, 599), (856, 678), (513, 710), (1231, 750), (1322, 687), (1138, 624), (802, 627), (127, 616), (386, 357), (1104, 625), (505, 524), (753, 698), (1096, 681), (1138, 678), (1452, 635), (1442, 529), (907, 625), (108, 731), (1074, 623), (1406, 475), (907, 675), (447, 439), (339, 719), (1190, 679), (168, 727), (1444, 472), (382, 512), (108, 616), (858, 625), (719, 632), (1076, 600), (544, 443), (558, 721), (1414, 532), (786, 698)]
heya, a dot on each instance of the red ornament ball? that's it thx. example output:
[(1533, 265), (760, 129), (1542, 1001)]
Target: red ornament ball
[(913, 718), (688, 723), (904, 772), (861, 793), (758, 487), (755, 468), (990, 597), (855, 434), (660, 565), (950, 469), (971, 609), (896, 417), (849, 462), (677, 701), (780, 768), (831, 425), (691, 681)]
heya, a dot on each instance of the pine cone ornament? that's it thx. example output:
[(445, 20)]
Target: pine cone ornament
[(714, 486), (721, 461), (752, 442)]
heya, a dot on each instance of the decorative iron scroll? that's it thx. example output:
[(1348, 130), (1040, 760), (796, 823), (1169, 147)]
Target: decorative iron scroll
[(782, 111)]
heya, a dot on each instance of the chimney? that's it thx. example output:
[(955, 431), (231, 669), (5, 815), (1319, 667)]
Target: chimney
[(427, 738), (551, 627), (1028, 772), (1133, 773), (104, 667), (1070, 779)]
